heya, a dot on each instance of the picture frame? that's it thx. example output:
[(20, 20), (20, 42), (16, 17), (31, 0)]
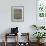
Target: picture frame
[(40, 12), (41, 9), (17, 13)]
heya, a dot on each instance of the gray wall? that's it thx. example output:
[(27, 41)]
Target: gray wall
[(29, 15)]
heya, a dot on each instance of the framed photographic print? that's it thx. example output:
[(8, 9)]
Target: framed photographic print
[(41, 8), (17, 13), (41, 12)]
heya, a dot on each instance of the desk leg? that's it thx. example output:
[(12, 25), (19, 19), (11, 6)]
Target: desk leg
[(5, 43), (5, 40), (17, 40)]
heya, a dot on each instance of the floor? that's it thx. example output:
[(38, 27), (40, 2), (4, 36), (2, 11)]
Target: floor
[(13, 44)]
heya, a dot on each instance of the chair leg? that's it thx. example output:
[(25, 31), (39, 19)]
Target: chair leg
[(5, 43)]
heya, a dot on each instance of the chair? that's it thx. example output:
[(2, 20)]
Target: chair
[(14, 32), (7, 35), (25, 36)]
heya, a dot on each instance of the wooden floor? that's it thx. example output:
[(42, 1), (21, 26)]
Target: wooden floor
[(13, 44)]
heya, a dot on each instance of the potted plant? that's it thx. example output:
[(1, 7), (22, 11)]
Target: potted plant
[(39, 35)]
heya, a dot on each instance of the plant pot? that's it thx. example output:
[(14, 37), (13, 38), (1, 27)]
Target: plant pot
[(40, 41)]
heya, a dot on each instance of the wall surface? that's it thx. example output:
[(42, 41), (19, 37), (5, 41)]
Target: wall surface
[(29, 15)]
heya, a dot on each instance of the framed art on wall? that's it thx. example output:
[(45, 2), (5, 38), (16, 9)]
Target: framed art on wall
[(41, 8), (41, 12), (17, 13)]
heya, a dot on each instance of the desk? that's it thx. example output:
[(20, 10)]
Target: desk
[(8, 34), (17, 43)]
